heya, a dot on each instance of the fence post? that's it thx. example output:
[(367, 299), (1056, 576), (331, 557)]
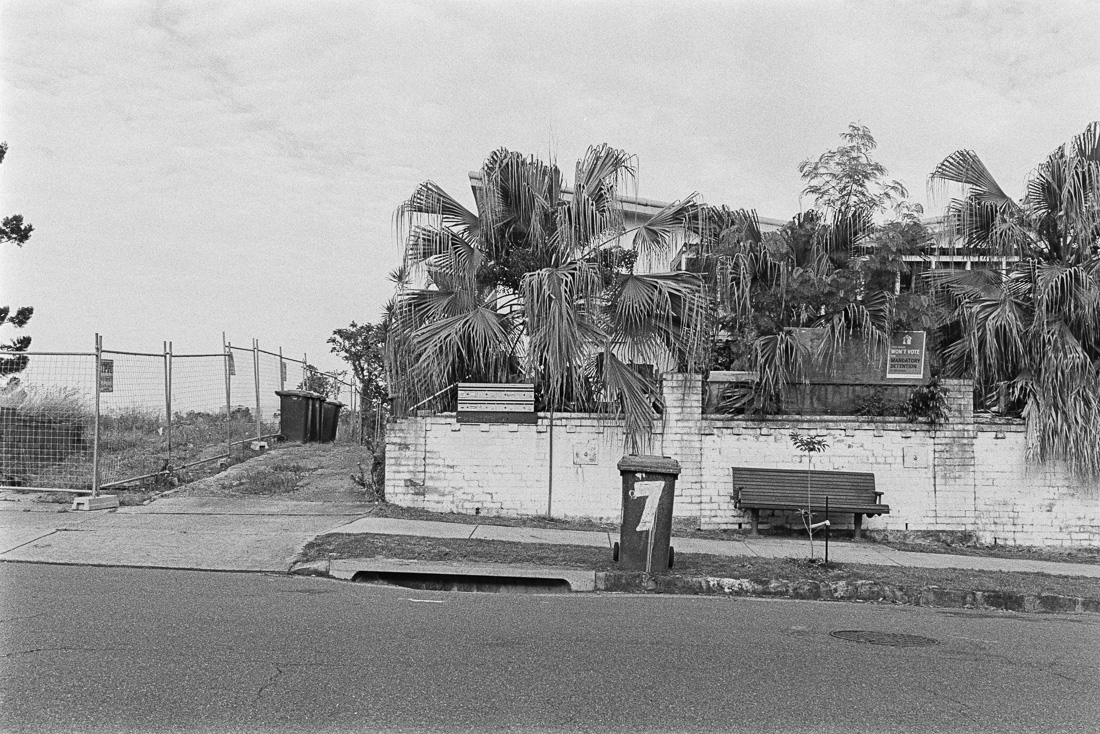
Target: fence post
[(305, 371), (282, 371), (95, 432), (356, 434), (256, 376), (227, 348), (168, 393)]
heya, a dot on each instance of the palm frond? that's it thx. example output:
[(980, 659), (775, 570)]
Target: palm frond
[(659, 312), (655, 235), (966, 168), (778, 360), (559, 305), (601, 173), (632, 396), (869, 320), (430, 199)]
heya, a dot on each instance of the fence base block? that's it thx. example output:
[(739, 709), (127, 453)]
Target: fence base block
[(102, 502)]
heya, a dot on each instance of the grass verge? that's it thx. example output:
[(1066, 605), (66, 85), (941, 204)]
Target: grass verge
[(955, 543), (367, 545)]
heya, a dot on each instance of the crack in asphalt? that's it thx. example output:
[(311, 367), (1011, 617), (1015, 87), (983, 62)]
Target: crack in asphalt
[(272, 679), (961, 707), (282, 668), (50, 649), (20, 619)]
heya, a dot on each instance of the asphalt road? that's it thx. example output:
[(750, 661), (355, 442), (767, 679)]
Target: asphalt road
[(110, 650)]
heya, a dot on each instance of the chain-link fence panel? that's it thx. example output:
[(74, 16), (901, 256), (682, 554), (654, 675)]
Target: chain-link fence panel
[(47, 420), (133, 427), (200, 430), (271, 369), (242, 394)]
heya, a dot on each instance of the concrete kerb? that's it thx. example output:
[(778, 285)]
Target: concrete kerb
[(853, 591), (580, 580)]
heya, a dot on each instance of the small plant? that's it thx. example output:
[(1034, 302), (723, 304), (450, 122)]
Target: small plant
[(927, 403), (280, 478), (811, 445)]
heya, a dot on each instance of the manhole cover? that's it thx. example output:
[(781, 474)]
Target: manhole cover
[(893, 639)]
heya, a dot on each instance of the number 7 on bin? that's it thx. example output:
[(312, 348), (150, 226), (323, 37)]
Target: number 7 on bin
[(651, 493)]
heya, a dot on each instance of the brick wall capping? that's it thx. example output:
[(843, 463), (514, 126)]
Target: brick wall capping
[(816, 422), (986, 422)]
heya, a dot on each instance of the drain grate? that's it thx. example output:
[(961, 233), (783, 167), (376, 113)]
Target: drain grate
[(891, 639), (424, 581)]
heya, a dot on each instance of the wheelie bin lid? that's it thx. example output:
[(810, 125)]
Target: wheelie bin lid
[(298, 394), (333, 402), (643, 463)]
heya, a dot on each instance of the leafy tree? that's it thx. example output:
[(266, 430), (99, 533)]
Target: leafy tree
[(535, 286), (1030, 334), (15, 231), (847, 180), (363, 347), (319, 382)]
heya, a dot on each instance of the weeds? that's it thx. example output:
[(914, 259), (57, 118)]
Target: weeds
[(279, 478)]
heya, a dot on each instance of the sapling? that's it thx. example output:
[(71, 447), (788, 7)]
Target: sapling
[(811, 445)]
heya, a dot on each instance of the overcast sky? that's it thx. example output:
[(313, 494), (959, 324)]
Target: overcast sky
[(194, 168)]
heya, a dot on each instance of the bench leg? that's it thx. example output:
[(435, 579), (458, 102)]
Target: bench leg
[(859, 527), (754, 518)]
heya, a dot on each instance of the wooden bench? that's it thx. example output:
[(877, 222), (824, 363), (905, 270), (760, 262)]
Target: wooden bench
[(785, 489)]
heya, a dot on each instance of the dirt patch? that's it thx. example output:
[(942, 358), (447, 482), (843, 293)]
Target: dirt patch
[(303, 472)]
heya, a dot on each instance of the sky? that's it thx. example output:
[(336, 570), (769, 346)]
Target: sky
[(206, 167)]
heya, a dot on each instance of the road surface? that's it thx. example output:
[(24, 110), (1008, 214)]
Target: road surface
[(136, 650)]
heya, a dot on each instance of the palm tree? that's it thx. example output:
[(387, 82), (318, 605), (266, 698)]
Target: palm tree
[(1032, 332), (536, 286)]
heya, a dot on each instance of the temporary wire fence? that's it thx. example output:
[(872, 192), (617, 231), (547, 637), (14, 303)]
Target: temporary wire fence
[(148, 418)]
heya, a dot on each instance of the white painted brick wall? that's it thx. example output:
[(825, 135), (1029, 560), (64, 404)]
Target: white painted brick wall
[(960, 476)]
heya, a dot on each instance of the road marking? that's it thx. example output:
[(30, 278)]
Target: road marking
[(428, 601)]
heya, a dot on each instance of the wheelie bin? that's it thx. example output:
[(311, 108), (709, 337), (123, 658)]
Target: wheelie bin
[(330, 419), (299, 415), (649, 488)]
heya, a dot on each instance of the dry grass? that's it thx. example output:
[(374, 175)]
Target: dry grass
[(365, 545), (957, 543)]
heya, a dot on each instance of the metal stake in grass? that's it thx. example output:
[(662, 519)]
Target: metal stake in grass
[(811, 445)]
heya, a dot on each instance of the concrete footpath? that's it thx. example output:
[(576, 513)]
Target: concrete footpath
[(250, 534), (203, 533)]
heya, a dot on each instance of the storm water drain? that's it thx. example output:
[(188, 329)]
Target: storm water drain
[(891, 639), (464, 582)]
